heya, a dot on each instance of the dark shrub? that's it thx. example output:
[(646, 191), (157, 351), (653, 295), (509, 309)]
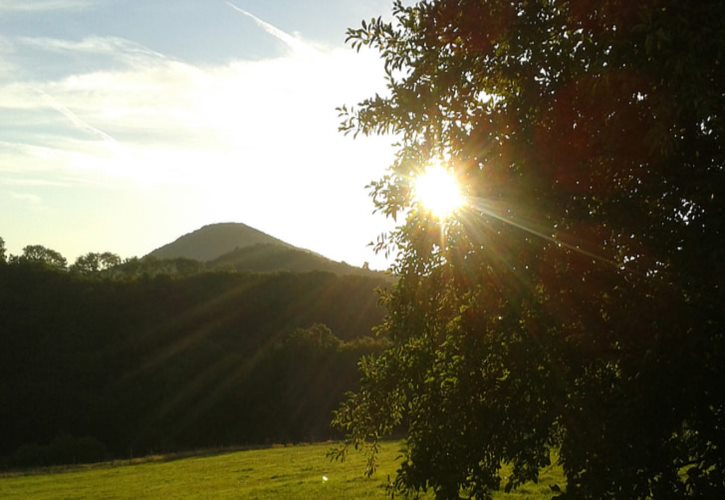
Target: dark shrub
[(29, 455), (65, 449)]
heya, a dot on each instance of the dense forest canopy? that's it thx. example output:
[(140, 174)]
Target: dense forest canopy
[(110, 359), (575, 302)]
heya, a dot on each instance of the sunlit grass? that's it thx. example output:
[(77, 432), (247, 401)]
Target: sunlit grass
[(283, 472)]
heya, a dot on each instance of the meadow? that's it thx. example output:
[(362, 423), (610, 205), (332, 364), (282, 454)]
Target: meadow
[(301, 471)]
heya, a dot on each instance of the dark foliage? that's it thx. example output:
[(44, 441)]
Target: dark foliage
[(258, 258), (64, 449), (41, 256), (263, 258), (92, 263), (168, 362), (577, 301)]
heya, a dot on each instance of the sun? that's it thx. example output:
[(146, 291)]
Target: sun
[(438, 191)]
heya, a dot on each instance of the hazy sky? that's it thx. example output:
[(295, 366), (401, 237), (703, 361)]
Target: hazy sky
[(127, 123)]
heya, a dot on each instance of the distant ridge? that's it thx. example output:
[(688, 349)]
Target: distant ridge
[(233, 246), (214, 240)]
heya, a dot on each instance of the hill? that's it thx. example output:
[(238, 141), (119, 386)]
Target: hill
[(265, 257), (214, 240), (233, 246)]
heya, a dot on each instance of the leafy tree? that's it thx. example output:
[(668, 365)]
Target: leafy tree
[(91, 262), (38, 254), (317, 336), (576, 301), (171, 362), (3, 257)]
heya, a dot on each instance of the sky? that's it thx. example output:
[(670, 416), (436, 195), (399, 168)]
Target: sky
[(125, 124)]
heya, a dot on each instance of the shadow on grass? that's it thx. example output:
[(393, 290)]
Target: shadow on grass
[(154, 458)]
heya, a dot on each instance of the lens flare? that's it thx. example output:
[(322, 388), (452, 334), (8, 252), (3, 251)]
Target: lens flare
[(438, 191)]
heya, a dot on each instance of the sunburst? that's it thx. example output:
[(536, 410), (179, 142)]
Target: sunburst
[(438, 191)]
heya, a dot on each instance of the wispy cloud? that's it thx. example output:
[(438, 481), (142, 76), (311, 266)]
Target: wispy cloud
[(289, 40), (251, 140), (108, 45), (29, 182), (115, 48), (33, 199), (43, 5)]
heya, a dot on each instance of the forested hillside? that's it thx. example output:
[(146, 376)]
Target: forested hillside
[(233, 246), (263, 258), (214, 240), (165, 363)]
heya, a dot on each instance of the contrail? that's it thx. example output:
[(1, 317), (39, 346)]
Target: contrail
[(74, 119), (290, 41)]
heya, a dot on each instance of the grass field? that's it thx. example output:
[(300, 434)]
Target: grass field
[(281, 472)]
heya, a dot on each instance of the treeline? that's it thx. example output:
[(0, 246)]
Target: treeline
[(95, 366), (258, 258)]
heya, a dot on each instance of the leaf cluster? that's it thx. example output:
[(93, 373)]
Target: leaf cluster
[(576, 303)]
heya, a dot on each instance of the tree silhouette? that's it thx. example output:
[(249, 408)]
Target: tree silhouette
[(38, 254), (137, 363), (576, 301), (94, 262)]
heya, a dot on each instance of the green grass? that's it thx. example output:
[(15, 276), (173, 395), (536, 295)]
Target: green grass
[(282, 472)]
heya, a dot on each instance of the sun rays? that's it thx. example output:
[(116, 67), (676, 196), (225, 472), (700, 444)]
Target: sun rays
[(438, 191)]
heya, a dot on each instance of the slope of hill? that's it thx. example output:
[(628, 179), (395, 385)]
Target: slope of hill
[(264, 258), (237, 247), (214, 240), (161, 363)]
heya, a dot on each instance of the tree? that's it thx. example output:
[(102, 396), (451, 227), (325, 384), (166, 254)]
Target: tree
[(38, 254), (3, 258), (576, 301), (91, 262)]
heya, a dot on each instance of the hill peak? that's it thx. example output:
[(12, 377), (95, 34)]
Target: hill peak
[(214, 240)]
